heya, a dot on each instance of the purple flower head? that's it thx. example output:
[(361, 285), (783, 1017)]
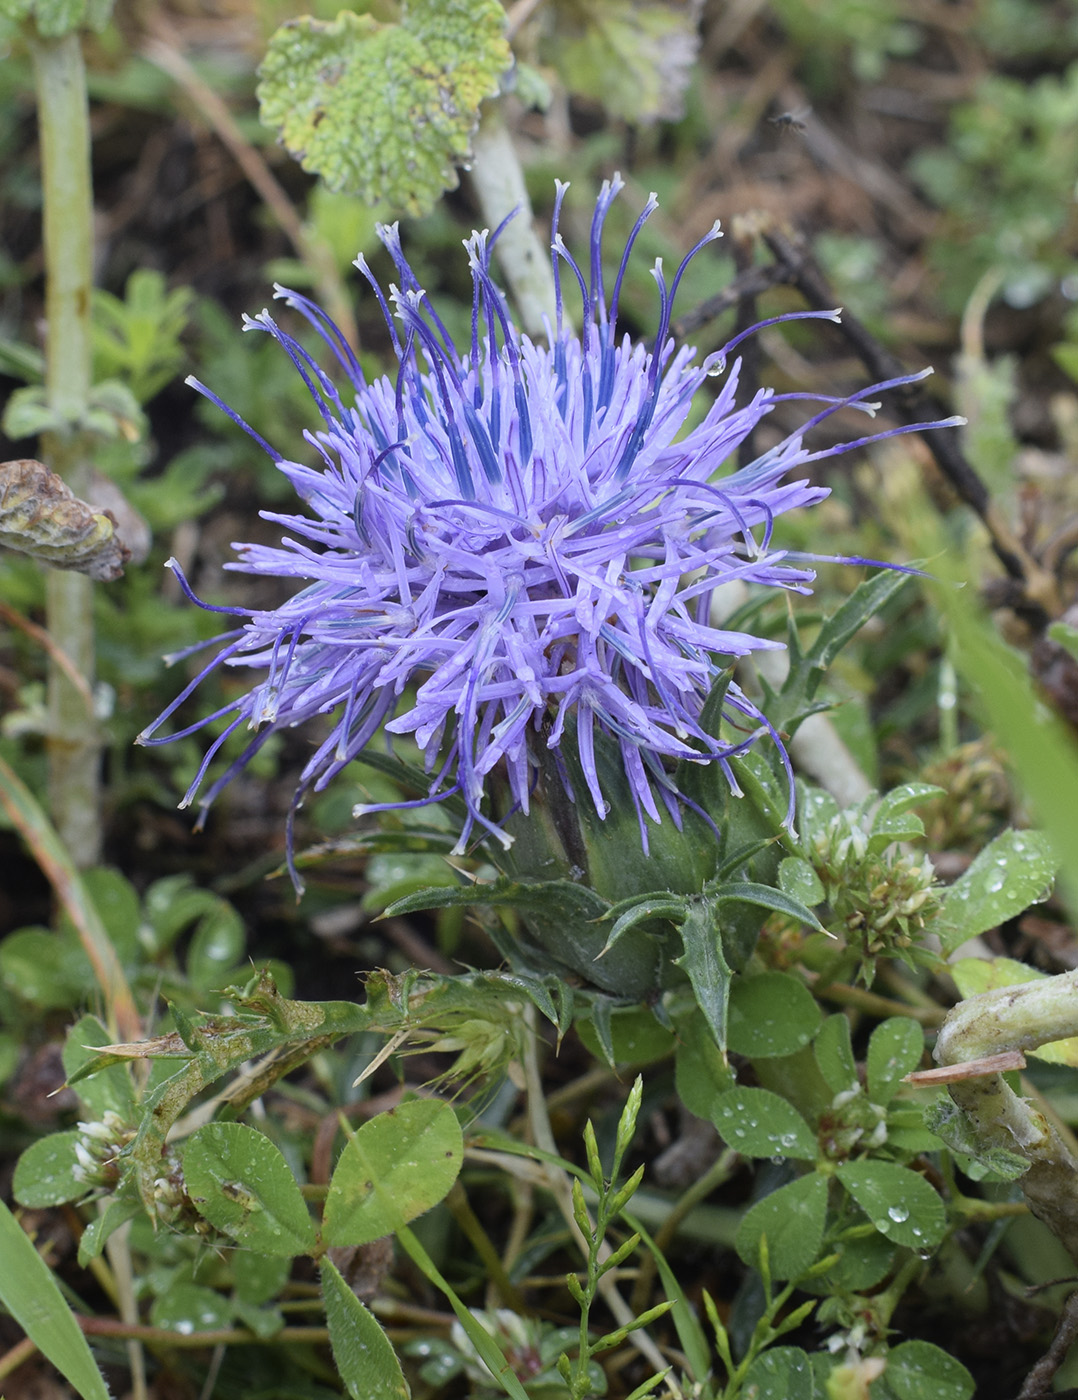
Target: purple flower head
[(510, 546)]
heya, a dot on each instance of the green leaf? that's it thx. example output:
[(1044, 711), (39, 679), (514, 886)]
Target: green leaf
[(792, 1218), (632, 1035), (1040, 747), (894, 1050), (951, 1126), (19, 361), (759, 1123), (33, 1298), (263, 1322), (115, 1212), (137, 339), (43, 968), (385, 111), (258, 1277), (975, 975), (1063, 632), (893, 819), (27, 413), (634, 55), (640, 909), (217, 946), (396, 1167), (899, 1202), (766, 897), (1011, 873), (807, 670), (555, 898), (921, 1371), (780, 1373), (866, 600), (862, 1263), (485, 1345), (691, 1335), (109, 1090), (364, 1355), (188, 1307), (55, 860), (771, 1014), (240, 1182), (705, 966), (700, 1070), (117, 902), (48, 1172), (798, 879), (834, 1054)]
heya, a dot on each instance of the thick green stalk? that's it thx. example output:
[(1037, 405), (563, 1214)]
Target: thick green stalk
[(74, 741)]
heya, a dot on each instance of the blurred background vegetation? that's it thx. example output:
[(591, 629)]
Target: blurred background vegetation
[(927, 152)]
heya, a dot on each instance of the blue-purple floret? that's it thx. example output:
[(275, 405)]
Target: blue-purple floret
[(519, 534)]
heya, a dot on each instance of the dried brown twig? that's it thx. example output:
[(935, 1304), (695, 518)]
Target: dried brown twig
[(1034, 592)]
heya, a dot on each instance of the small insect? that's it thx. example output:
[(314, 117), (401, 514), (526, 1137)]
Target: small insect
[(791, 121)]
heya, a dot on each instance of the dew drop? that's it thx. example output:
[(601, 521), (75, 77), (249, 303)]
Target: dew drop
[(898, 1214)]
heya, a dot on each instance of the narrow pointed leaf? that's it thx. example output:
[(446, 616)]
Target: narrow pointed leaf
[(364, 1354), (33, 1298)]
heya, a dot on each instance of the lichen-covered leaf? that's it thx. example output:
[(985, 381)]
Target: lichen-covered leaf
[(947, 1121), (385, 111)]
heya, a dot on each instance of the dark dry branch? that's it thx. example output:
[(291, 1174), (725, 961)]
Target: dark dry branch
[(1039, 1380), (1039, 600)]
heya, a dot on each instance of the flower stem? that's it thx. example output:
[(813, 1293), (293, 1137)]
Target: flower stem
[(73, 736), (499, 186)]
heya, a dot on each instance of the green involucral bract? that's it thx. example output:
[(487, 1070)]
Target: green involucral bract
[(385, 111)]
